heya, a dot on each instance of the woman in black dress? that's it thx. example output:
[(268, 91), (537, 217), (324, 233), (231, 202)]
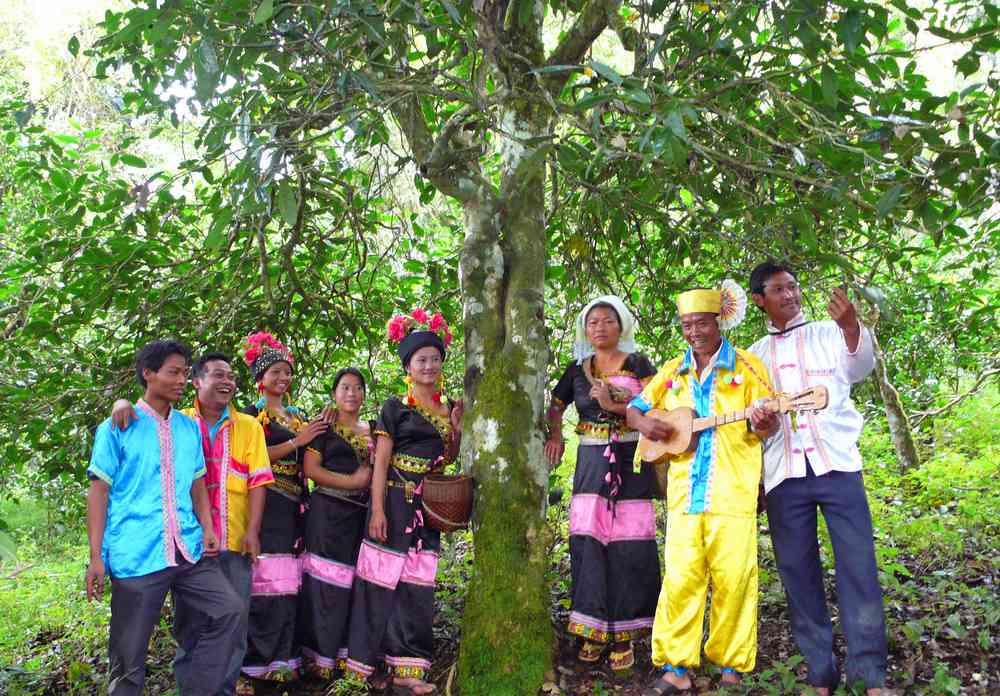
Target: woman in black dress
[(339, 464), (272, 652), (613, 555), (393, 607)]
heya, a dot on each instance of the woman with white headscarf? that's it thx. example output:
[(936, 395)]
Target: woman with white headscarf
[(612, 543)]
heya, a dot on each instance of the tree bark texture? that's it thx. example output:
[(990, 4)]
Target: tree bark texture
[(899, 422)]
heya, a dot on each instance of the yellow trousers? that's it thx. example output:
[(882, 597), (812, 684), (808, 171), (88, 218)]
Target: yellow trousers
[(699, 548)]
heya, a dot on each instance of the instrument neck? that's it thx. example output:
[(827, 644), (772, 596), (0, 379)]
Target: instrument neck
[(715, 421)]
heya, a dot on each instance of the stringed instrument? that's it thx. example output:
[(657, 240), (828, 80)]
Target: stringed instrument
[(685, 426)]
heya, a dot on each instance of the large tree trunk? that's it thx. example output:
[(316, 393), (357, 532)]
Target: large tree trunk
[(506, 633), (506, 642), (899, 422)]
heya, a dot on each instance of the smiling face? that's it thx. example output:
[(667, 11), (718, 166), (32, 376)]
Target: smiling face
[(277, 379), (349, 394), (216, 384), (425, 365), (701, 331), (782, 298), (603, 328), (169, 381)]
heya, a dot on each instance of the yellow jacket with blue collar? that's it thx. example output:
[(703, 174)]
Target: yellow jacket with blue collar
[(723, 474)]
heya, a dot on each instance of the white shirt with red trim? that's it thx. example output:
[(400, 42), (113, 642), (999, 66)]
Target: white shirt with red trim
[(811, 354)]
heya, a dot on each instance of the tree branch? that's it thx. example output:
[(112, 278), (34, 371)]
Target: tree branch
[(980, 382), (592, 20)]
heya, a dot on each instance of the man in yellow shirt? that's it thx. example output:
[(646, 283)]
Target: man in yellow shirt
[(711, 494), (238, 472)]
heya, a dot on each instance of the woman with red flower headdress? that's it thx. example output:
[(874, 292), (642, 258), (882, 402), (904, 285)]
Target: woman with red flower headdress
[(272, 653), (393, 605)]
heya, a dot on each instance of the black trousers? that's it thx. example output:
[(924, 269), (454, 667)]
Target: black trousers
[(135, 610), (791, 514)]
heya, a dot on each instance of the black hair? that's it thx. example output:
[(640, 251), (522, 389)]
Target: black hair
[(341, 373), (765, 270), (152, 356), (605, 305), (198, 369)]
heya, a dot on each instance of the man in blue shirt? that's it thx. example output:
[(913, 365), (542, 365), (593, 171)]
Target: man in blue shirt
[(149, 524)]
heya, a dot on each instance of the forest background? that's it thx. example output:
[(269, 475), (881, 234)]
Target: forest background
[(207, 169)]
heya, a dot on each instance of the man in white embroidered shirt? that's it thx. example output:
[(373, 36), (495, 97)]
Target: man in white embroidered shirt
[(813, 462)]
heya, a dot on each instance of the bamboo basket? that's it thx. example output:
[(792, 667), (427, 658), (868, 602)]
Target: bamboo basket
[(447, 501)]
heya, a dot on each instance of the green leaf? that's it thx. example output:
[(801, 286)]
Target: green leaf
[(217, 233), (264, 11), (22, 116), (877, 297), (606, 71), (829, 86), (452, 12), (132, 160), (288, 204), (73, 46), (638, 96), (888, 200), (837, 260)]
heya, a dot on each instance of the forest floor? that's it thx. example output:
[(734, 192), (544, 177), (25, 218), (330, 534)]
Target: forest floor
[(937, 540)]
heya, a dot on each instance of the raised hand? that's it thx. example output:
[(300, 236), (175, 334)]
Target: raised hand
[(842, 310)]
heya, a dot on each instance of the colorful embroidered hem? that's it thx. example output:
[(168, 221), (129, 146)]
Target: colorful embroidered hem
[(589, 632), (408, 672)]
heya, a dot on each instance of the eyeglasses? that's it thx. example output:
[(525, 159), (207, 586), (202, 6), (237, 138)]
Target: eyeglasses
[(790, 287)]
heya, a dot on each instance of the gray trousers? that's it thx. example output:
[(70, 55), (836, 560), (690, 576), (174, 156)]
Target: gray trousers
[(791, 515), (135, 611), (189, 625)]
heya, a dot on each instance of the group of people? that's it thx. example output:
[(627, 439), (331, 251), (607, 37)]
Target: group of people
[(806, 462), (271, 575)]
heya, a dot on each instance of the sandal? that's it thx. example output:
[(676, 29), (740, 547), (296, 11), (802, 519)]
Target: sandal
[(590, 652), (622, 660), (662, 686)]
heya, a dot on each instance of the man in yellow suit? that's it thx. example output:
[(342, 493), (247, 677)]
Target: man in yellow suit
[(711, 494)]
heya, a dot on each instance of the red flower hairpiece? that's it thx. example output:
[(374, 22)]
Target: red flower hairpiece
[(402, 325), (257, 343)]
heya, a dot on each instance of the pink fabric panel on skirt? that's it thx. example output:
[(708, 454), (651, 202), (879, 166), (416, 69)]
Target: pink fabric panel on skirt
[(626, 520), (328, 571), (379, 565), (420, 568), (279, 574)]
